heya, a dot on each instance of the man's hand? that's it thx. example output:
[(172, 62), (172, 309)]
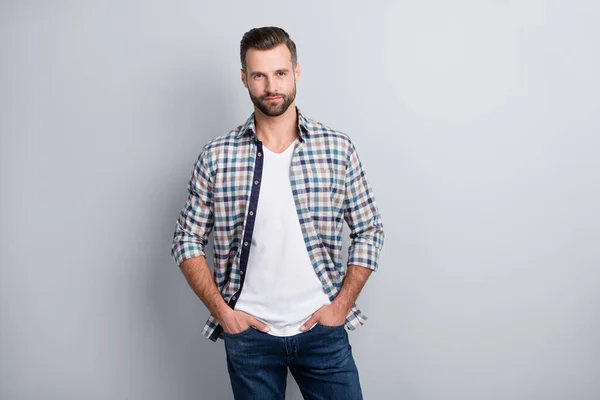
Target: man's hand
[(333, 314), (235, 321)]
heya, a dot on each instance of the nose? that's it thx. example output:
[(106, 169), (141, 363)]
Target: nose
[(270, 86)]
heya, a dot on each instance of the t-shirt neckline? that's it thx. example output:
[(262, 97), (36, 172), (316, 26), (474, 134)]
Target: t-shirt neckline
[(283, 153)]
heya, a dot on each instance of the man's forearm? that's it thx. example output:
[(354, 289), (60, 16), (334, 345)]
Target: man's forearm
[(354, 281), (197, 273)]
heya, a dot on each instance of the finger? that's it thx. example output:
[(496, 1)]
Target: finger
[(308, 324), (259, 325)]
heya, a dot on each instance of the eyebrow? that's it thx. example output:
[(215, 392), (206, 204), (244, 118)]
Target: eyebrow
[(262, 73)]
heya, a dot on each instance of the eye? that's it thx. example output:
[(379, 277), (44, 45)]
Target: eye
[(281, 73), (256, 76)]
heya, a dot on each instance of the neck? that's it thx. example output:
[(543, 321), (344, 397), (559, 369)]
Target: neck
[(277, 130)]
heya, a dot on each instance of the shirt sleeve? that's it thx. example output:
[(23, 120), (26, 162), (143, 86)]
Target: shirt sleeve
[(196, 220), (362, 216)]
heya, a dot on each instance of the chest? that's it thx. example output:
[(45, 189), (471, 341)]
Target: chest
[(315, 176)]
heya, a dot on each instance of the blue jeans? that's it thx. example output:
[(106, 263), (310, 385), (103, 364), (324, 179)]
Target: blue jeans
[(320, 361)]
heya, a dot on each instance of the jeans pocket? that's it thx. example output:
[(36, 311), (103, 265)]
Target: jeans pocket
[(336, 327), (235, 335)]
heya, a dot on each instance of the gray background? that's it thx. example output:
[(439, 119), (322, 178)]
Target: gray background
[(478, 126)]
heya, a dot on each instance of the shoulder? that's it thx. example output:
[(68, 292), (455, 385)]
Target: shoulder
[(329, 137), (221, 145), (223, 141)]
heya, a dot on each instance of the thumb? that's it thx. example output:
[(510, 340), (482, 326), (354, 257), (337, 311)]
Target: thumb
[(308, 324), (259, 325)]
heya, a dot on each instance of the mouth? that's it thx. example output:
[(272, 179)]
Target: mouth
[(272, 99)]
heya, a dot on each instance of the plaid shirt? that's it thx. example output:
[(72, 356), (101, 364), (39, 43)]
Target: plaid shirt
[(329, 186)]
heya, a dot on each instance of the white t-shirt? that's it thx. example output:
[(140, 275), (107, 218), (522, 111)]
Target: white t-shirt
[(281, 287)]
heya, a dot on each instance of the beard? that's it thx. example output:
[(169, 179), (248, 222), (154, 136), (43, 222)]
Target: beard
[(273, 109)]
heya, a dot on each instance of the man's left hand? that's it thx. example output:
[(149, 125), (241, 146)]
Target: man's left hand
[(330, 315)]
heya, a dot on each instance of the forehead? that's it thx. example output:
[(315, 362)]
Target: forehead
[(275, 58)]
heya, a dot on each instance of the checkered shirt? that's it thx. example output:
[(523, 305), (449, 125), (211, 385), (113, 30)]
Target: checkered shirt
[(329, 187)]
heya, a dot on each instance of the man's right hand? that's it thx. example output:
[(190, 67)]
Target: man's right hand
[(235, 321)]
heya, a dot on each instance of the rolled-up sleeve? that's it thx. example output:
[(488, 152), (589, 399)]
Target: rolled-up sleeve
[(196, 219), (362, 216)]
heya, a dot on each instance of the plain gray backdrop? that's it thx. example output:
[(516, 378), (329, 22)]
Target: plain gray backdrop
[(477, 123)]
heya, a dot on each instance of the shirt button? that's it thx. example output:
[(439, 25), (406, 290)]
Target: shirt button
[(251, 212), (245, 243), (256, 182), (260, 154), (233, 298), (242, 272)]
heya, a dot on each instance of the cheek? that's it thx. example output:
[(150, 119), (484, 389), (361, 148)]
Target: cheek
[(289, 85), (255, 87)]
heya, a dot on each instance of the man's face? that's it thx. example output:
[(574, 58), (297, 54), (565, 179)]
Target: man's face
[(271, 79)]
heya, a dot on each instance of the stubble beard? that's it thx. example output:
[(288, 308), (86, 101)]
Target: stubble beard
[(273, 109)]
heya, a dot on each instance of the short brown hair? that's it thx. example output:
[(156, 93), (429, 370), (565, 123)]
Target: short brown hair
[(266, 38)]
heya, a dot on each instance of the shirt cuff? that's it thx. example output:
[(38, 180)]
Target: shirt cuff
[(183, 250), (364, 255)]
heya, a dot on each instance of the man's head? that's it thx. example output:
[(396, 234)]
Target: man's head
[(269, 69)]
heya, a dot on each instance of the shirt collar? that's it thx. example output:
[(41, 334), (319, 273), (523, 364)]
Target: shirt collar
[(249, 127)]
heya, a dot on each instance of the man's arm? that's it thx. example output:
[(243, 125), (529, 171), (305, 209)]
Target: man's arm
[(362, 216), (354, 281), (193, 227), (334, 314), (366, 233), (197, 273), (196, 220)]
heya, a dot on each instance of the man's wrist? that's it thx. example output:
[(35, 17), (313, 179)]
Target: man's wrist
[(342, 304), (221, 311)]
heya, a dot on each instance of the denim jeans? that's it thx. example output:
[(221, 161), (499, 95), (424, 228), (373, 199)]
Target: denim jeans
[(319, 359)]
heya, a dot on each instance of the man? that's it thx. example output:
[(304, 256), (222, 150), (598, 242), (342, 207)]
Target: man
[(276, 191)]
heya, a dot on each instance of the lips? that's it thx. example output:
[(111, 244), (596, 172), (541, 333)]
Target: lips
[(272, 99)]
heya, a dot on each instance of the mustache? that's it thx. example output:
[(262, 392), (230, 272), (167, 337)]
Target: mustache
[(272, 95)]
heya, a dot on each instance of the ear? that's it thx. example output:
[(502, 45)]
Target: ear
[(244, 81), (297, 71)]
